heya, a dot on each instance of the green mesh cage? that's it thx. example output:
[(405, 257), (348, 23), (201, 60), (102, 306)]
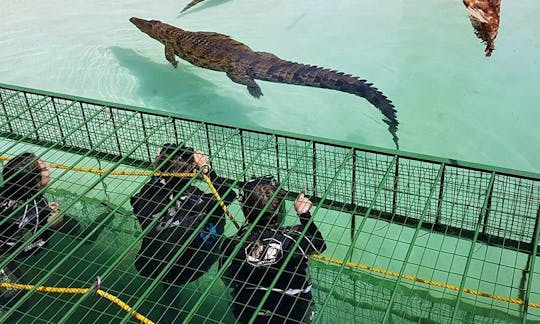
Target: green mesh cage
[(410, 238)]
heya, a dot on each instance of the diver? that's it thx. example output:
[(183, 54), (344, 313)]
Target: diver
[(260, 258), (23, 212), (188, 208), (23, 203), (24, 176)]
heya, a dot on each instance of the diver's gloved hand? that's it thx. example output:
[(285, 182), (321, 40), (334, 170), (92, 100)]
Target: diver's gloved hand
[(201, 161), (302, 204), (53, 218)]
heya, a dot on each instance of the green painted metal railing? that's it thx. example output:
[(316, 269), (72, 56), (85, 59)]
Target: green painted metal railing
[(386, 209)]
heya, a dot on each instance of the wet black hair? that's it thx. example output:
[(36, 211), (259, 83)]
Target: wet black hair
[(256, 194), (184, 153), (22, 175), (175, 158)]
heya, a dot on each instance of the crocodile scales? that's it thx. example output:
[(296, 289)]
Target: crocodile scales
[(242, 65)]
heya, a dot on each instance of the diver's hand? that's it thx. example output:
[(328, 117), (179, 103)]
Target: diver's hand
[(201, 160), (302, 204), (55, 210)]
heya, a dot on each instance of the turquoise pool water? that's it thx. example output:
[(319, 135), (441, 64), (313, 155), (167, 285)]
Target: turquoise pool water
[(451, 100)]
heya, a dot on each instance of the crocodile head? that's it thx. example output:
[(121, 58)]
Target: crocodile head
[(149, 27)]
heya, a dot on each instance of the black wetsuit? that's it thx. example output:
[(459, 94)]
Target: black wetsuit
[(23, 224), (258, 263), (15, 231), (175, 225)]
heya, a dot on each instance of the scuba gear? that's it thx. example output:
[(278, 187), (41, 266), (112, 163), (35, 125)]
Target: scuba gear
[(257, 264), (176, 224), (270, 270), (278, 308), (209, 234), (174, 219)]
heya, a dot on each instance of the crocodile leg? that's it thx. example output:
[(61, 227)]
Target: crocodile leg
[(240, 77), (169, 54)]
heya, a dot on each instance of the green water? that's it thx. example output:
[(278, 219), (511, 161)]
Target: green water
[(451, 100)]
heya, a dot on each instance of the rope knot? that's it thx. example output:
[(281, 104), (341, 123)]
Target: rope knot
[(97, 284)]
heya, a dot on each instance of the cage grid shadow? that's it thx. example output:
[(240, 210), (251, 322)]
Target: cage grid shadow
[(410, 238)]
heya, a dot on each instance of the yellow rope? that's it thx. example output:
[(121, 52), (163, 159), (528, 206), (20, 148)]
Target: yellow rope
[(113, 172), (221, 203), (320, 257), (121, 172), (424, 281), (123, 305), (78, 291)]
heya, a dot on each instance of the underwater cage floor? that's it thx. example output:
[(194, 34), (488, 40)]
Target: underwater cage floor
[(410, 238)]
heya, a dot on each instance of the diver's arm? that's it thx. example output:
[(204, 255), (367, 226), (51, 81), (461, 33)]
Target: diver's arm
[(313, 234), (151, 199), (202, 162), (302, 205)]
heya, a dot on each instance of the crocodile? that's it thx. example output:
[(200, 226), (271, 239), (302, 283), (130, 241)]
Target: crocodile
[(242, 65), (485, 18)]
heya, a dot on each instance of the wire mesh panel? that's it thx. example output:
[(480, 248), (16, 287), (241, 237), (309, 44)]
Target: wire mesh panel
[(359, 297), (407, 238), (512, 213)]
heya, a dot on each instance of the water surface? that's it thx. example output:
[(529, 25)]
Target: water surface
[(451, 100)]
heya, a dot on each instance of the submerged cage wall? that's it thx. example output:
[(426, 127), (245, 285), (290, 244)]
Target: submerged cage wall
[(411, 238)]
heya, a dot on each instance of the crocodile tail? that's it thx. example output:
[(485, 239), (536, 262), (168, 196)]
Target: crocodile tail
[(191, 4), (313, 76)]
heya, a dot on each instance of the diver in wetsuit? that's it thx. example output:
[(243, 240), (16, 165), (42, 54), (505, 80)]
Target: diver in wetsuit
[(186, 212), (27, 210), (263, 254), (23, 212), (24, 176)]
